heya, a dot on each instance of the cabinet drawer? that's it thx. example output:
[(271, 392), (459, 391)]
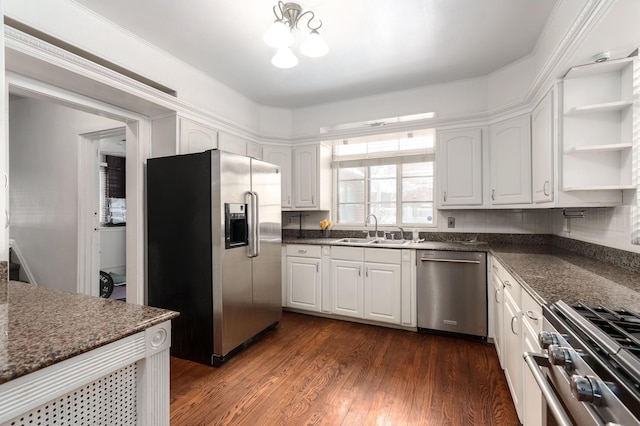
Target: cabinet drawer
[(383, 255), (510, 284), (532, 312), (301, 250), (347, 253)]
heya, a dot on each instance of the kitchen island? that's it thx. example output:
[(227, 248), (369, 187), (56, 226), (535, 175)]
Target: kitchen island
[(69, 358)]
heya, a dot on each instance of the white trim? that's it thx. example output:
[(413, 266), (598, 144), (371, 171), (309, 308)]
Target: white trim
[(13, 244)]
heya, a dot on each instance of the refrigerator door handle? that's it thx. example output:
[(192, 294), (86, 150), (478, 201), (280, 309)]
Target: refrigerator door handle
[(256, 224)]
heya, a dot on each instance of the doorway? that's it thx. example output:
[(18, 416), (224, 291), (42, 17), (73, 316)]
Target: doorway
[(48, 190)]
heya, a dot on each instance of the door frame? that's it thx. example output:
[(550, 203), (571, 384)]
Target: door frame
[(138, 133)]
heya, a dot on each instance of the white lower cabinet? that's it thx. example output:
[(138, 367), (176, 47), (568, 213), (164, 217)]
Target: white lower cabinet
[(512, 353), (532, 399), (517, 321), (347, 287), (304, 277), (382, 298), (372, 284), (367, 283)]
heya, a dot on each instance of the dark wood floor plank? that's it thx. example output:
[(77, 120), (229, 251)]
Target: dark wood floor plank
[(317, 371)]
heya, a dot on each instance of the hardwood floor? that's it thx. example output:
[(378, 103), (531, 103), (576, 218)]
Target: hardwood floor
[(317, 371)]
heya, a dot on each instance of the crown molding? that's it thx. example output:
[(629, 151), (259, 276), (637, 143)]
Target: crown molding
[(48, 53)]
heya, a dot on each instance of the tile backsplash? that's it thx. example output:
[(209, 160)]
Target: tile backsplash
[(515, 221)]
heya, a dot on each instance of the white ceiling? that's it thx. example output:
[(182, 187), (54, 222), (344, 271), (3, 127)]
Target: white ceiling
[(376, 46)]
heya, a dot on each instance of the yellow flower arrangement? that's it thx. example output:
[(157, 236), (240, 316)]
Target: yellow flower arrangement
[(326, 224)]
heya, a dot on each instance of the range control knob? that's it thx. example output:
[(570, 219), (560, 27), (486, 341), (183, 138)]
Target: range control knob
[(560, 356), (547, 338), (586, 389)]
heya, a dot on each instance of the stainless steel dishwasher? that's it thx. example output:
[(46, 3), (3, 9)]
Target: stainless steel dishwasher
[(452, 292)]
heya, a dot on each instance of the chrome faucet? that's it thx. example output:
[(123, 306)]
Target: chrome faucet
[(401, 232), (366, 223)]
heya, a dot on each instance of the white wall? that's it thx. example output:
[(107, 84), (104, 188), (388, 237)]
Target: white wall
[(43, 192)]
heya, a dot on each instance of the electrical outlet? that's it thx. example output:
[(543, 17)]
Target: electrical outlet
[(451, 223)]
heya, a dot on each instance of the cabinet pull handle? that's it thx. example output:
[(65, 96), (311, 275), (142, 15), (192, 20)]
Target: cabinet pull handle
[(302, 251), (318, 267), (533, 315), (493, 194), (6, 181), (545, 188), (507, 283), (288, 199), (445, 196), (496, 295), (7, 219), (494, 267), (512, 330), (313, 199), (359, 271), (366, 271)]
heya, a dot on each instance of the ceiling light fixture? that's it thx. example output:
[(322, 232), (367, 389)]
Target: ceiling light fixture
[(280, 36)]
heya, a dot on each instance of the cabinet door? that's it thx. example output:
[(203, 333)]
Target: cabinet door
[(382, 292), (460, 167), (512, 350), (305, 172), (542, 150), (496, 302), (304, 280), (347, 287), (510, 158), (281, 155), (195, 137), (532, 402), (232, 143)]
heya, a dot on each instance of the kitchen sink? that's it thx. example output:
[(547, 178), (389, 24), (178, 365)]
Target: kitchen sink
[(370, 242), (354, 240)]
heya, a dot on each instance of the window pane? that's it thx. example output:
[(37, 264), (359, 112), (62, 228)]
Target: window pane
[(382, 171), (351, 191), (417, 213), (382, 190), (417, 189), (351, 173), (417, 169), (385, 212), (351, 213)]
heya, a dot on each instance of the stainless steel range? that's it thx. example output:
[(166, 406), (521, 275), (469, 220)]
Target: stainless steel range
[(591, 365)]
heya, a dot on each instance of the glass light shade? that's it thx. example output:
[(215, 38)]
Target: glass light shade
[(278, 35), (314, 46), (284, 58)]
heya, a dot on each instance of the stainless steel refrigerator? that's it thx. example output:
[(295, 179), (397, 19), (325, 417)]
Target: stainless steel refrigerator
[(214, 250)]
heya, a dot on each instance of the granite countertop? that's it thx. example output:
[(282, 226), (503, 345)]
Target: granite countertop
[(550, 274), (40, 327), (547, 272), (423, 245)]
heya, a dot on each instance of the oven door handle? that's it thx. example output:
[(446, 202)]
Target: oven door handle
[(534, 361)]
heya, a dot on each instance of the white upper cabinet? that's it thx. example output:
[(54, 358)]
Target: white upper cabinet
[(460, 167), (510, 161), (542, 150), (311, 179), (196, 137), (281, 156), (232, 143), (597, 136)]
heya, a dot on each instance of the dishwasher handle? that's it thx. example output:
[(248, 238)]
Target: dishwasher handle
[(429, 259)]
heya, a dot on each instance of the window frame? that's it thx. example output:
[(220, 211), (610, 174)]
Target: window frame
[(397, 158)]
